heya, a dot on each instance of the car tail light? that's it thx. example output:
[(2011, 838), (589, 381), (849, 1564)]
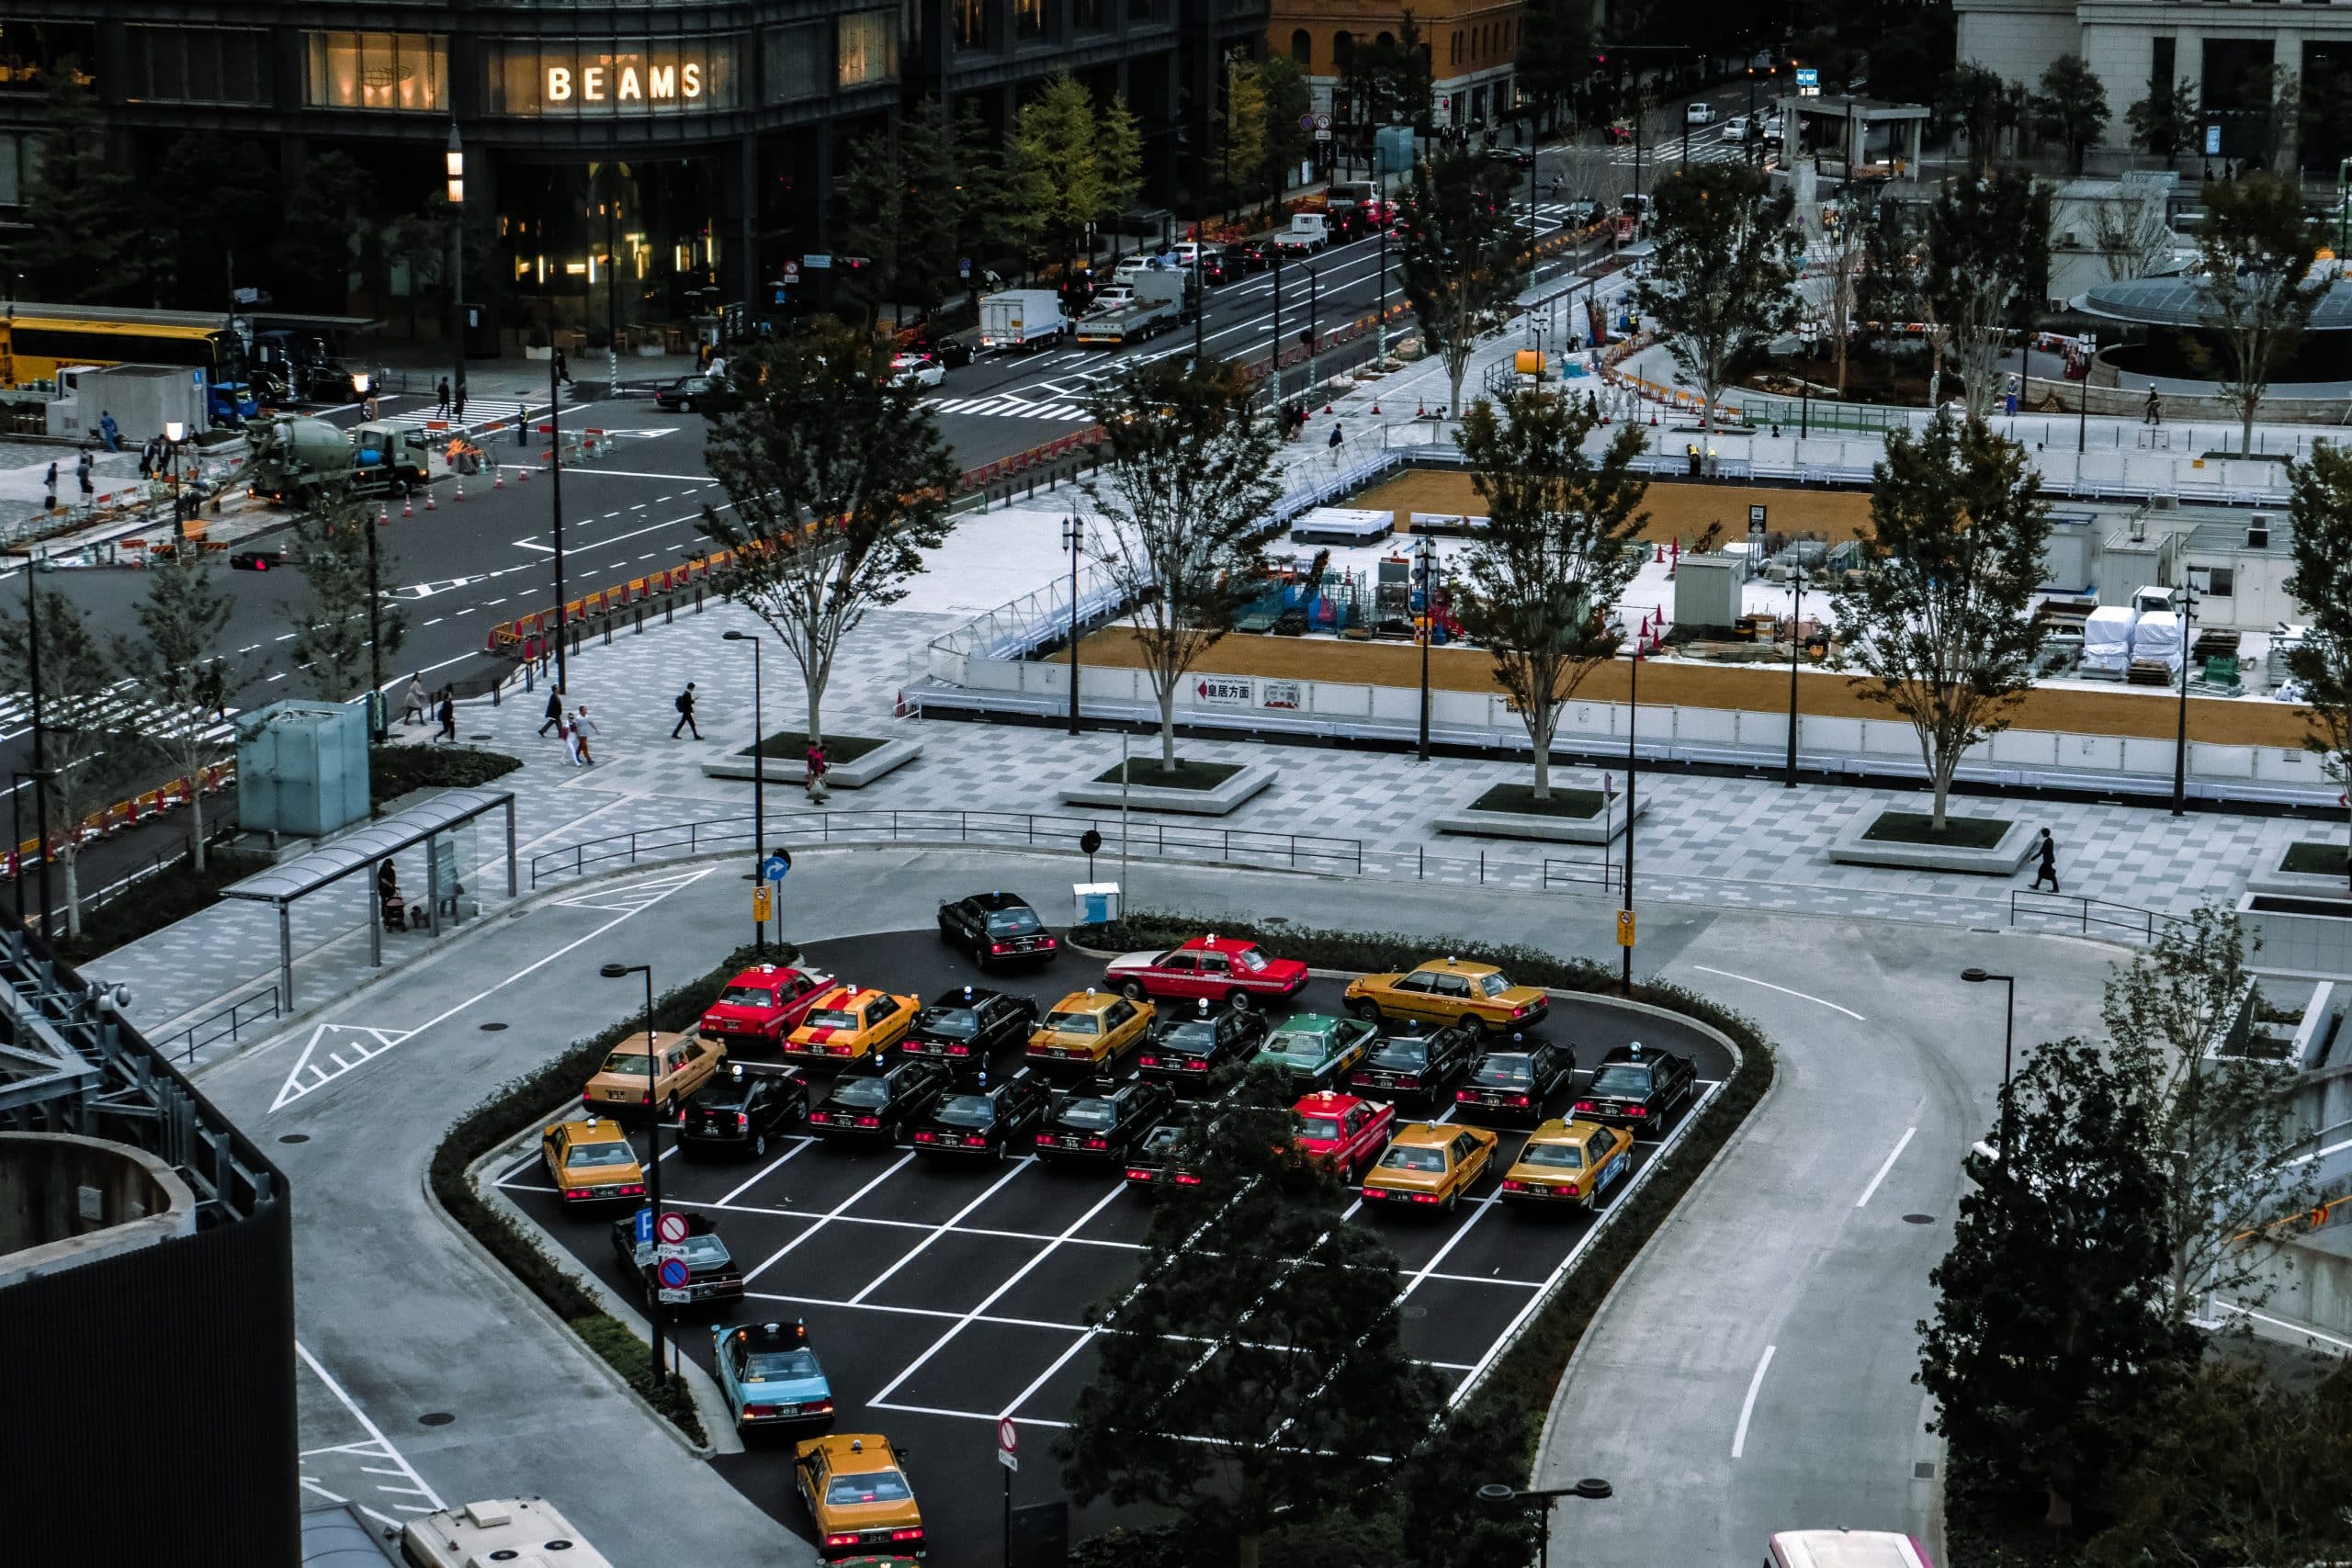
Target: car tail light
[(1098, 1143), (1185, 1179), (574, 1194), (645, 1099), (1044, 1140), (1517, 1187), (840, 1541), (976, 1139), (1463, 1097), (1410, 1080), (818, 1407), (959, 1049), (1520, 1100), (1587, 1105), (742, 1120), (635, 1189), (1197, 1065), (996, 947), (1147, 1061), (1637, 1111), (754, 1410), (906, 1535), (1569, 1187), (1424, 1197), (926, 1137), (1046, 942), (869, 1121)]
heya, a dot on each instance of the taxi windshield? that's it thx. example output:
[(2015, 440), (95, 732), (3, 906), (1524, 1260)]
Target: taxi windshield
[(1062, 1022), (632, 1062), (601, 1155), (1621, 1077), (1013, 923), (763, 1366), (1091, 1115), (1193, 1034), (1322, 1129), (968, 1111), (747, 997), (1492, 984), (953, 1023), (874, 1486), (1567, 1156), (1296, 1047), (1412, 1157), (1511, 1069), (831, 1018), (865, 1093)]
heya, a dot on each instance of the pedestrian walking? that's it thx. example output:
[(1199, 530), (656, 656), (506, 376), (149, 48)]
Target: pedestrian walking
[(458, 408), (413, 702), (582, 727), (555, 712), (448, 715), (109, 431), (2049, 868), (562, 368), (147, 460), (2155, 414), (1336, 437), (685, 706), (48, 488), (82, 472), (441, 409), (818, 769)]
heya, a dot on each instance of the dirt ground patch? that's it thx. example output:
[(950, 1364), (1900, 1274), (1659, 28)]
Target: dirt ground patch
[(1677, 508), (2147, 714)]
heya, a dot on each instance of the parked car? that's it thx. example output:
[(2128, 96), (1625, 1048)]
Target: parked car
[(741, 1108), (916, 369), (688, 393)]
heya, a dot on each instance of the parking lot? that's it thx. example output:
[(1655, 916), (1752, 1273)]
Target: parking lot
[(940, 1297)]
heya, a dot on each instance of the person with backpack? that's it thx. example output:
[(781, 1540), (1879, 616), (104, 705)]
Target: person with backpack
[(685, 706)]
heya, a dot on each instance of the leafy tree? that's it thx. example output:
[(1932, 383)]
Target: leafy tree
[(1435, 1485), (875, 204), (419, 242), (1184, 494), (1118, 160), (347, 624), (1054, 152), (2224, 1119), (1556, 55), (2071, 108), (1255, 1369), (1001, 211), (1938, 616), (1288, 98), (2319, 505), (1889, 289), (2165, 122), (195, 241), (2236, 1469), (1557, 552), (1463, 260), (1975, 95), (1242, 132), (1988, 267), (180, 682), (2256, 248), (83, 223), (328, 221), (934, 223), (2275, 99), (82, 748), (1388, 84), (1722, 285), (2050, 1344), (837, 483)]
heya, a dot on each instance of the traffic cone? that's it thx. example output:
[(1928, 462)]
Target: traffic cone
[(1653, 419), (498, 479), (523, 475), (1327, 408), (1376, 408), (461, 490), (383, 513), (1660, 558), (428, 501), (408, 507)]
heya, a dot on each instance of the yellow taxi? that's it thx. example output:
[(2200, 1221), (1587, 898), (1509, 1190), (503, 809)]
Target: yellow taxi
[(1430, 1164), (1447, 991), (851, 1022), (1089, 1029), (592, 1162), (1569, 1162), (858, 1496), (686, 1062)]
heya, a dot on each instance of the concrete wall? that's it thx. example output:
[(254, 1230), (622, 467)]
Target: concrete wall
[(66, 1201)]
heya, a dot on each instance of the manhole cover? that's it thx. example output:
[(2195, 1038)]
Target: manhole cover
[(435, 1418), (295, 1138), (491, 1028), (484, 736), (1919, 1219)]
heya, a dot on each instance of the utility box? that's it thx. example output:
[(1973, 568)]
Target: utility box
[(1392, 149), (303, 768), (1098, 902), (1706, 590), (143, 399), (2067, 554)]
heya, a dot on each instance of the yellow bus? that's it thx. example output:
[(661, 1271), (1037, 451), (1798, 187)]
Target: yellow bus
[(37, 340)]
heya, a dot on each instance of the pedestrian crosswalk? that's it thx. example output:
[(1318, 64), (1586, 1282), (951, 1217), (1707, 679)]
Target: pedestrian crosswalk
[(1707, 146), (119, 708), (1007, 405), (480, 412)]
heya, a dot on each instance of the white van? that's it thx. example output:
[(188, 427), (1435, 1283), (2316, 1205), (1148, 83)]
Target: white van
[(1844, 1549)]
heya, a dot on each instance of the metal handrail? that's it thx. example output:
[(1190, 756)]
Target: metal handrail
[(1294, 852), (2087, 913), (237, 1019)]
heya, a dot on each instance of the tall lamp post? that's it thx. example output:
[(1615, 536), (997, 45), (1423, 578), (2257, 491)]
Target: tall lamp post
[(759, 777), (2186, 595), (454, 164), (1796, 613), (1633, 805), (175, 431), (1313, 296), (1536, 1502), (654, 1122), (1380, 310), (1073, 540), (2008, 1043), (40, 774), (1275, 369), (1425, 589)]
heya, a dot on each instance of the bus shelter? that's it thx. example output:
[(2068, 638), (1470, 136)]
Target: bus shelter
[(445, 826)]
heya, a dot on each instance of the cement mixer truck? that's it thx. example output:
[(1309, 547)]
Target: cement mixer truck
[(298, 461)]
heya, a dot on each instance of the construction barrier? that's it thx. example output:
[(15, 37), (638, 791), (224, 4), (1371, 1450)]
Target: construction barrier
[(110, 819)]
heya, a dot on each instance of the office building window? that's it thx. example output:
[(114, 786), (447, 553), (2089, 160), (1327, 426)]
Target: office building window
[(971, 24), (1086, 16), (1302, 47), (403, 72), (30, 50), (196, 65), (1028, 20), (868, 48), (2162, 57), (796, 66), (12, 170)]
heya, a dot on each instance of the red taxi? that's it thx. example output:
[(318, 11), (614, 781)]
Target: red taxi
[(1217, 968), (761, 1007), (1343, 1132)]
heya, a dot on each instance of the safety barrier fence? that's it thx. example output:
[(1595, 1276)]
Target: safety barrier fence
[(227, 1024), (2086, 916), (123, 814)]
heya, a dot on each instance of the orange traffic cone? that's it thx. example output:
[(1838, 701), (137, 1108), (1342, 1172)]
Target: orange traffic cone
[(1327, 408), (523, 474), (1653, 419), (461, 490), (428, 501), (383, 513), (1420, 410), (498, 479), (408, 507), (1376, 408), (1660, 558)]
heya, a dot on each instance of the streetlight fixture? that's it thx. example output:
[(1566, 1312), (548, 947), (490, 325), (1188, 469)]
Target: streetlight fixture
[(1796, 613), (1313, 296), (759, 777), (454, 165), (2186, 596), (1073, 540), (1537, 1503), (1633, 803), (1425, 589), (175, 431), (2008, 1043), (39, 770), (654, 1121)]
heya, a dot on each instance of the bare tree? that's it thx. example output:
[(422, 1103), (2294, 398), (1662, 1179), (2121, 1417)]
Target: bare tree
[(1840, 292), (346, 625), (1988, 268), (180, 682), (1723, 286), (2257, 249), (82, 749), (2134, 232), (1186, 496)]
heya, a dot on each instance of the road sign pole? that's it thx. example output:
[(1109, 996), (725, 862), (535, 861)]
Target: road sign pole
[(1008, 1519), (1008, 1446)]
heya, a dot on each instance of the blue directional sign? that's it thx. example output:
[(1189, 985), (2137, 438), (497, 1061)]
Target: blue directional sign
[(775, 866), (671, 1274)]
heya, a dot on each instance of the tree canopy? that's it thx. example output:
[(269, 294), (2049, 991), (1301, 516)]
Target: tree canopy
[(1722, 285)]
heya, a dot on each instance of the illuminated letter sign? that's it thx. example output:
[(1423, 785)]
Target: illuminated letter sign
[(690, 78), (661, 81), (592, 84), (629, 86), (559, 84)]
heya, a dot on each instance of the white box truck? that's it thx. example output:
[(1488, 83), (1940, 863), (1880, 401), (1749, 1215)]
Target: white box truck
[(1022, 319)]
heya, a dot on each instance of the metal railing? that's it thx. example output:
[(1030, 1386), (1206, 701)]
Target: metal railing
[(226, 1024), (2084, 914), (1227, 846)]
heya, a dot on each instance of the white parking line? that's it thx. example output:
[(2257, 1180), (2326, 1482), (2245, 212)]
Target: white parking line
[(1768, 985), (800, 1147), (918, 1249), (1748, 1405), (1900, 1145), (373, 1430), (829, 1218)]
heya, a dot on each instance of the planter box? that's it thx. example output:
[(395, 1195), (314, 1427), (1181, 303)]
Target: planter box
[(1215, 802), (789, 771), (2274, 878), (1606, 829), (2001, 860)]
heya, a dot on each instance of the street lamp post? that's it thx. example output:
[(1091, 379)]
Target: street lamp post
[(1380, 310), (654, 1122), (454, 165), (1633, 803), (40, 774), (16, 777), (1276, 370), (1074, 540), (759, 777), (2008, 1043), (1425, 569), (175, 431), (1796, 613), (1537, 1502), (2188, 595), (1313, 296)]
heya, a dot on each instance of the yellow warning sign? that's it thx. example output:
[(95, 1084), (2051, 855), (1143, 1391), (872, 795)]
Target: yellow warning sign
[(759, 902), (1624, 927)]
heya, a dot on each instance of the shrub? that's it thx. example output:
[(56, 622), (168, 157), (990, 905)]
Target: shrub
[(149, 905), (394, 771)]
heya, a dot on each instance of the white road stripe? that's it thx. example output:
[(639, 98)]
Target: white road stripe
[(1748, 1405), (1768, 985), (1900, 1144)]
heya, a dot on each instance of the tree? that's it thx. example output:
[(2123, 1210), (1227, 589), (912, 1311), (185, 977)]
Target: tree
[(2134, 230), (1556, 53), (346, 626), (1557, 552), (1841, 290), (2256, 248), (1242, 138), (180, 682), (2225, 1119), (1001, 213), (1975, 95), (2071, 108), (836, 481), (1462, 257), (1054, 154), (81, 717), (1988, 267), (83, 234), (873, 203), (1722, 286), (934, 221), (1255, 1369), (2165, 122), (328, 221), (1938, 614), (1288, 97), (2319, 505), (1185, 496), (196, 240), (1118, 161), (2050, 1344), (1891, 287)]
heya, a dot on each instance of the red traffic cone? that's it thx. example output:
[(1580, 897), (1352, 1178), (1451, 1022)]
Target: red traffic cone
[(1327, 408), (1658, 559), (461, 490), (408, 507), (523, 474), (383, 513), (1420, 410), (1376, 408), (1653, 419), (498, 479), (428, 501)]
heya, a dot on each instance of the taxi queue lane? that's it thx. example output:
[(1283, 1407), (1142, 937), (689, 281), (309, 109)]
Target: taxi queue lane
[(940, 1295)]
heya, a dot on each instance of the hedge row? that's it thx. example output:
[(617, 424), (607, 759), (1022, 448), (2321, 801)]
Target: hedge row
[(394, 771), (527, 1101), (1529, 1372)]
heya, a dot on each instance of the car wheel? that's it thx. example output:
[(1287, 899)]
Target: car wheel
[(1365, 1008), (1132, 990), (1238, 999), (1453, 1199), (759, 1145), (685, 405), (669, 1109)]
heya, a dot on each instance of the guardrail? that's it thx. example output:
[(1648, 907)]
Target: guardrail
[(226, 1024), (1226, 846), (2084, 914)]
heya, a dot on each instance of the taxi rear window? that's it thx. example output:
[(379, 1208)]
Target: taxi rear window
[(875, 1487), (632, 1062), (1073, 1022), (1493, 985), (1409, 1156), (953, 1023), (862, 1092), (1621, 1077), (601, 1155), (968, 1111), (831, 1017), (1013, 923), (747, 997), (1507, 1069), (1090, 1114), (1323, 1129), (1567, 1156), (765, 1365)]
